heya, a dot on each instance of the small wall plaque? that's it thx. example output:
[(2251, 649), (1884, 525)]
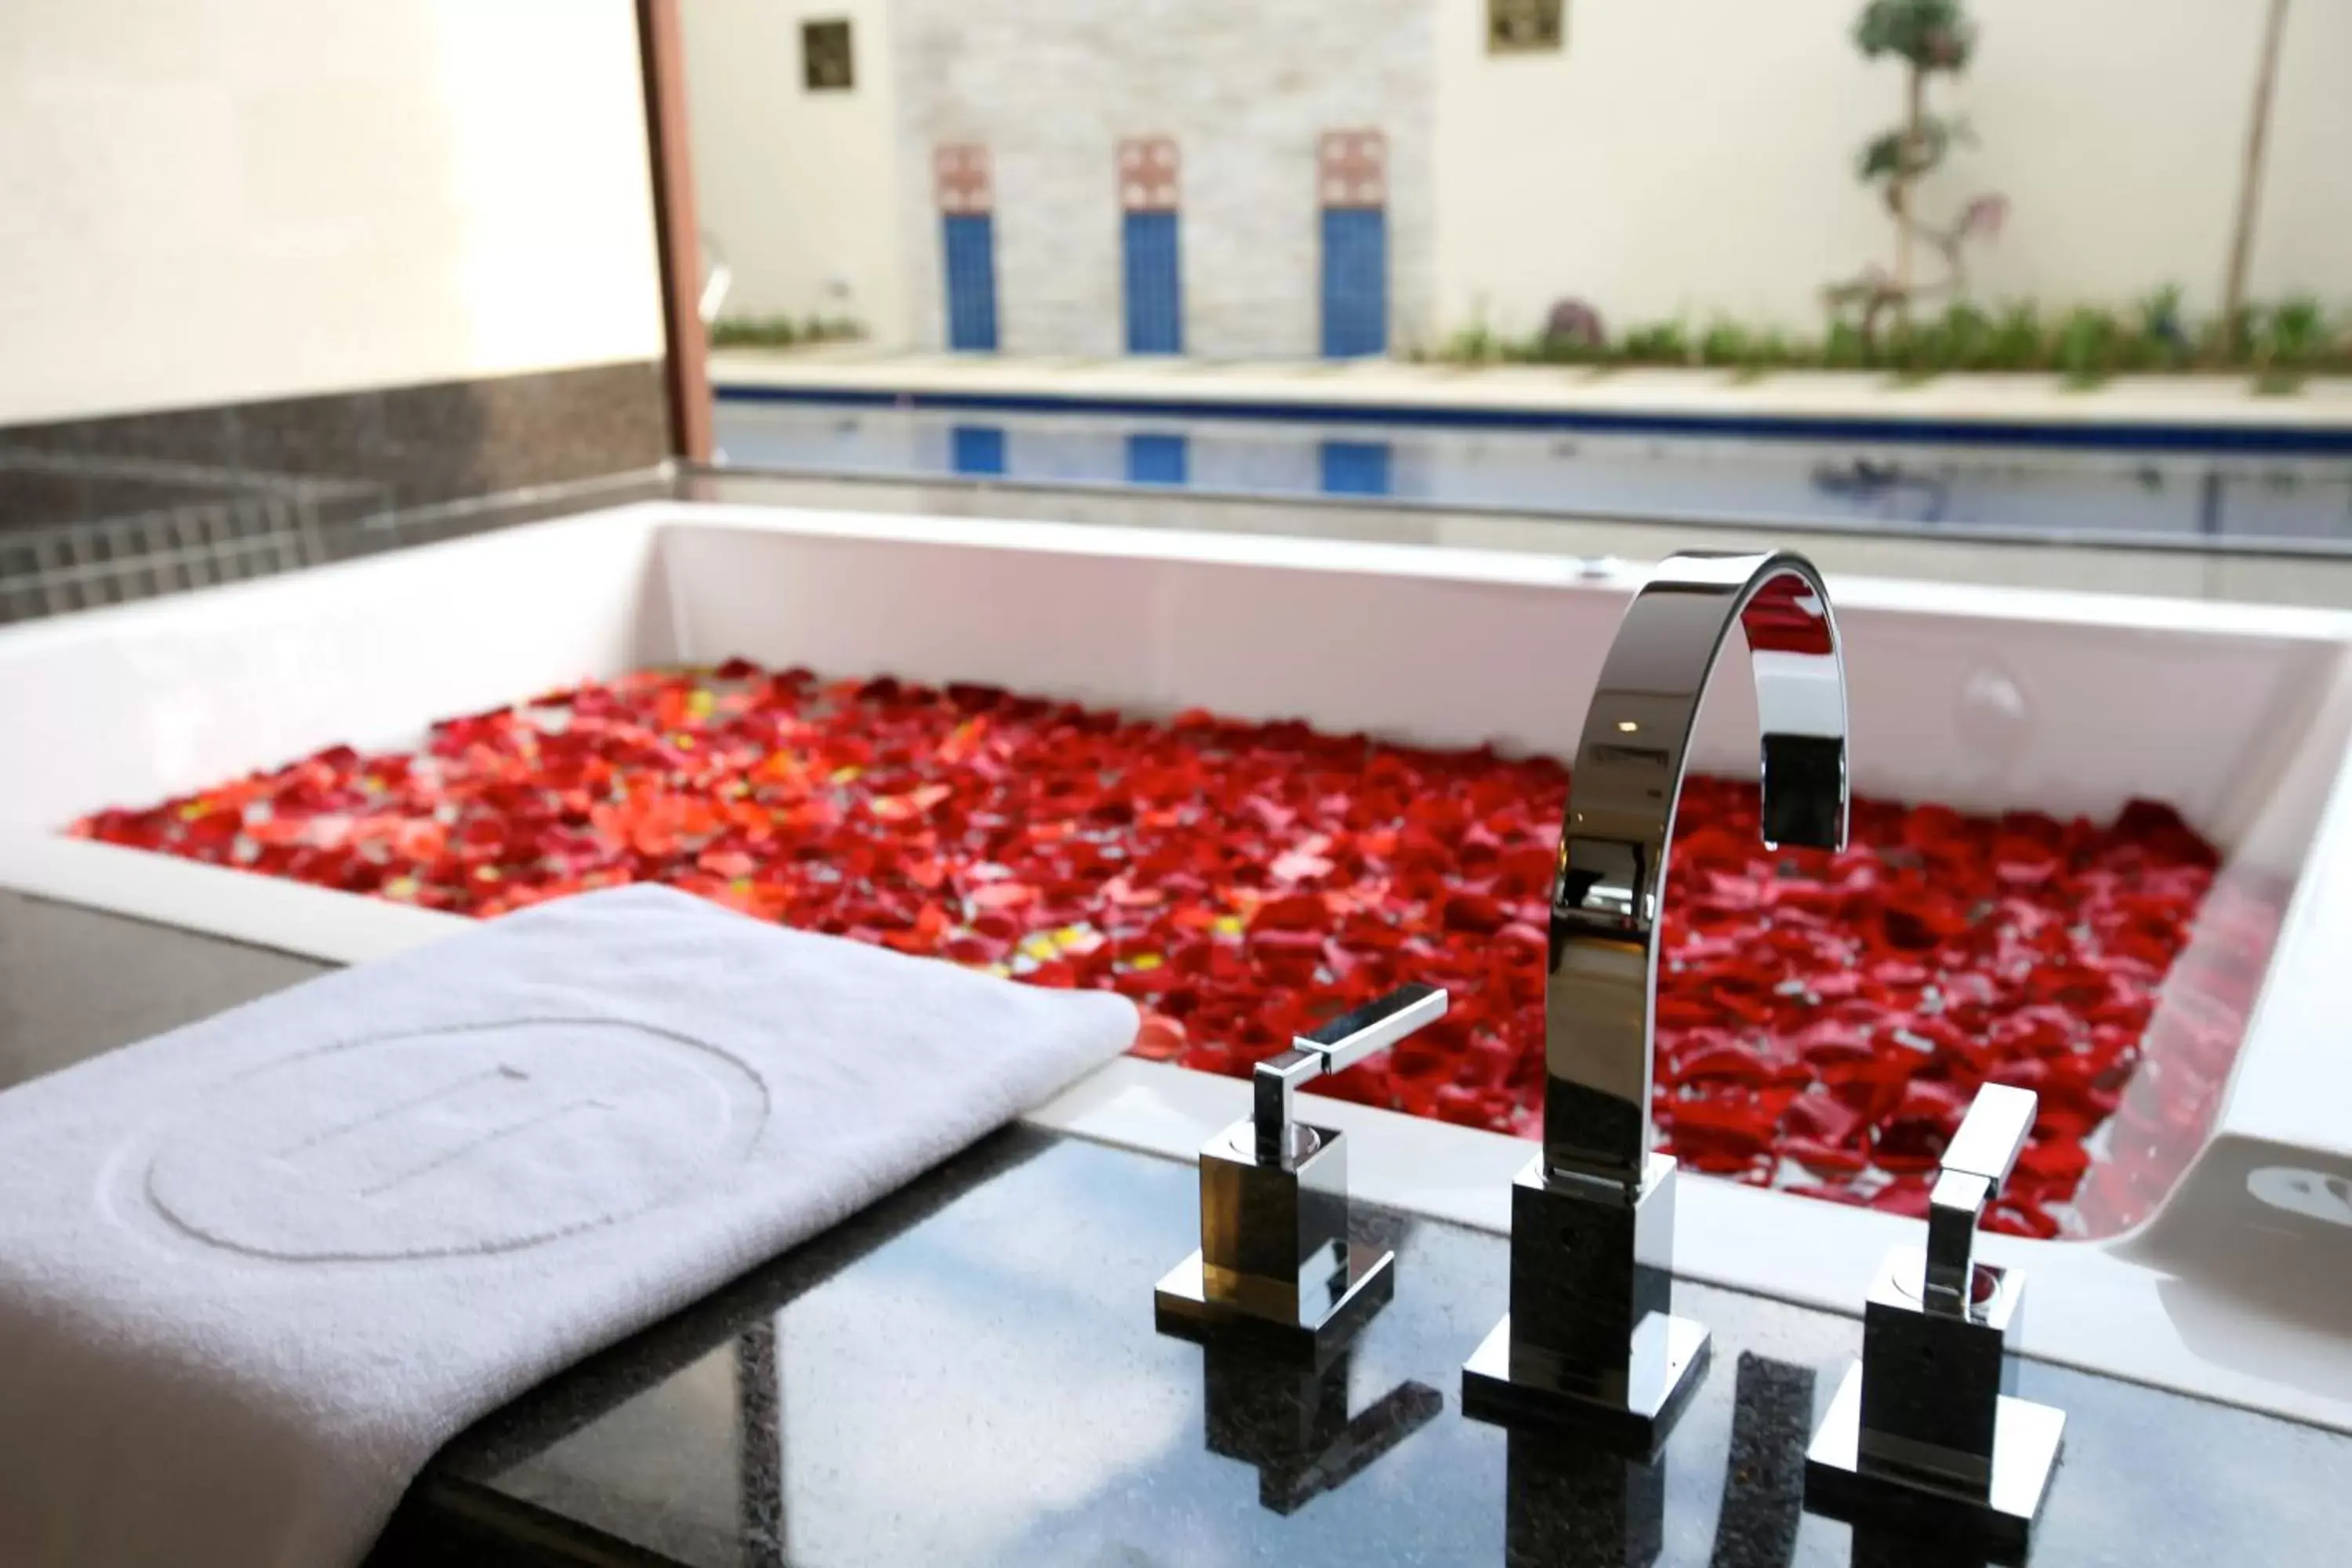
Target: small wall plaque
[(1525, 27), (827, 64)]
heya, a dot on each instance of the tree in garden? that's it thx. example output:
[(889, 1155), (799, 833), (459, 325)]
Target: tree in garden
[(1929, 36)]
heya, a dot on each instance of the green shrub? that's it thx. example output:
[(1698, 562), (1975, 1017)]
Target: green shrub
[(1961, 338), (781, 332), (2287, 342), (1664, 342), (1473, 345), (1725, 343), (2088, 345), (1542, 348), (1845, 348), (2294, 337), (1770, 350), (754, 332), (1966, 337), (2017, 342), (2161, 342), (1908, 349), (1752, 354)]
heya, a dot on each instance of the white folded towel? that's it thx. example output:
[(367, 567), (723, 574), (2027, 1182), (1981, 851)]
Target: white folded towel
[(255, 1272)]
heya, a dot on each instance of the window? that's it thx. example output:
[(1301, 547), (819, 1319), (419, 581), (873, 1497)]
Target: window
[(827, 63), (1524, 27)]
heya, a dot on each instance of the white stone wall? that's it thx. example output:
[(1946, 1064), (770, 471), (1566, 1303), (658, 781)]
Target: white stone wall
[(1050, 86)]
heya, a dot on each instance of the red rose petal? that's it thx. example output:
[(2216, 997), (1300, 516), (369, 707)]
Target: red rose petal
[(1828, 1014), (1474, 913)]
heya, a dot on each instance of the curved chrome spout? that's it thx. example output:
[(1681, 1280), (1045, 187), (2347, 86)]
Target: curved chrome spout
[(1601, 998)]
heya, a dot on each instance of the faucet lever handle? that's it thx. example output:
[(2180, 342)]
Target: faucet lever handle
[(1927, 1412), (1336, 1046), (1374, 1027), (1975, 1164)]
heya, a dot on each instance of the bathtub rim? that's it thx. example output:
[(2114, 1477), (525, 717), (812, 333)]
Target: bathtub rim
[(1814, 1254)]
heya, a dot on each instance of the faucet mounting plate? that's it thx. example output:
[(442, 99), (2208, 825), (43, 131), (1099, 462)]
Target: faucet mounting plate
[(1182, 1307), (1839, 1483), (1667, 1361)]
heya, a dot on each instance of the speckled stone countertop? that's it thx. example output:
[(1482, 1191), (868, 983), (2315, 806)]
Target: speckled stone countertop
[(967, 1372)]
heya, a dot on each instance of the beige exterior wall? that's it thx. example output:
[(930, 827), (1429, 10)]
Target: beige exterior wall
[(1697, 156), (1691, 157), (798, 190)]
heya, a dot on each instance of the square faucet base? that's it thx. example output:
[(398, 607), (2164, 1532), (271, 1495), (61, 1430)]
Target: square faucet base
[(2026, 1438), (1665, 1363), (1180, 1306)]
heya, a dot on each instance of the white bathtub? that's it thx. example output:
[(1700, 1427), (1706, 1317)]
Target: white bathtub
[(2239, 1288)]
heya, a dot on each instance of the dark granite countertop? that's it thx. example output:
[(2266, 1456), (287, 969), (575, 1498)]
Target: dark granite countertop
[(75, 982), (967, 1373)]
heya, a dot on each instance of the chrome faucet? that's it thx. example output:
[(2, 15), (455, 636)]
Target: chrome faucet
[(1277, 1262), (1928, 1421), (1590, 1337)]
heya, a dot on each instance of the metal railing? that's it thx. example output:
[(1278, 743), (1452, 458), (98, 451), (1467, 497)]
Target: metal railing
[(220, 526)]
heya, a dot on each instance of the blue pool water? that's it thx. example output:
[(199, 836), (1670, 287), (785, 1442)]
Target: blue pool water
[(2184, 496)]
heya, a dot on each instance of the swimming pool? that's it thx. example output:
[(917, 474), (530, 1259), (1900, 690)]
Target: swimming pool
[(2186, 497)]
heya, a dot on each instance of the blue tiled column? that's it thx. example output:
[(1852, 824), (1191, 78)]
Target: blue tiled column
[(1155, 293), (1355, 281), (977, 449), (967, 242), (1154, 459), (1356, 468)]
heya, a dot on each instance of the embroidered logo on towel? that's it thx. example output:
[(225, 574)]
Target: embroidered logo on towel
[(464, 1141)]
